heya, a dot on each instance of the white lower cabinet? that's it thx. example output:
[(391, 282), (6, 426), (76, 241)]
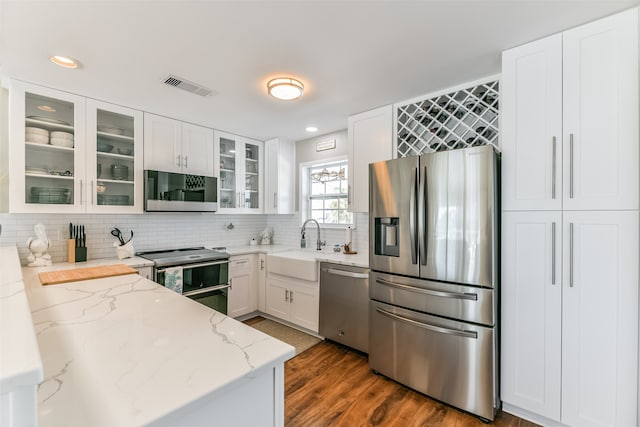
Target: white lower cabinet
[(293, 300), (242, 278), (532, 311), (570, 317), (262, 280)]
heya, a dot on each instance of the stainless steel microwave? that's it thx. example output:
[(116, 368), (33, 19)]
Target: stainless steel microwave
[(177, 192)]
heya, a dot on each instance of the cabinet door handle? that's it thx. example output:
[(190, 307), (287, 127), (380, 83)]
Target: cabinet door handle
[(571, 255), (179, 160), (275, 200), (261, 264), (571, 166), (92, 192), (244, 261), (553, 170), (186, 161), (290, 296), (553, 253), (231, 284), (81, 192), (286, 295)]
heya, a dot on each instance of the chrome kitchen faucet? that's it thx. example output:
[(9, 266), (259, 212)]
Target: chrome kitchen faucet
[(303, 242)]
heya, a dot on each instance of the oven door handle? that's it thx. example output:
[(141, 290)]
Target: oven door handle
[(205, 290), (188, 266)]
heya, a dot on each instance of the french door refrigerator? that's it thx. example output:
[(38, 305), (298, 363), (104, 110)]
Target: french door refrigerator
[(434, 275)]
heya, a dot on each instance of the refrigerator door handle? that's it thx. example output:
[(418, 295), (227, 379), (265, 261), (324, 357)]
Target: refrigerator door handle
[(422, 217), (439, 329), (412, 216), (456, 295)]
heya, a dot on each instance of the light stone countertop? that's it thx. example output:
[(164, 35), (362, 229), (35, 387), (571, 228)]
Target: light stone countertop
[(127, 351), (361, 259), (20, 363)]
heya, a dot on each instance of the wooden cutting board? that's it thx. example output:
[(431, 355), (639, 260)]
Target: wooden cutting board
[(77, 274)]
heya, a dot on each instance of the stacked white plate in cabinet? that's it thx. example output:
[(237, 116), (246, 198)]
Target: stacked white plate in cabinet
[(62, 139), (36, 135)]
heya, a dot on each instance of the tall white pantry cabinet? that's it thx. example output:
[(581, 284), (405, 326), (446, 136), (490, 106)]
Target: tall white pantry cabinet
[(570, 240)]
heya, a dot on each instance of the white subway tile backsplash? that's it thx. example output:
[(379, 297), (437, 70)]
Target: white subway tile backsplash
[(166, 230)]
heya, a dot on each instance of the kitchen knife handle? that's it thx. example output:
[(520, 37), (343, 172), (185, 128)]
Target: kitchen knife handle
[(571, 166), (553, 253), (553, 170), (423, 217), (412, 215)]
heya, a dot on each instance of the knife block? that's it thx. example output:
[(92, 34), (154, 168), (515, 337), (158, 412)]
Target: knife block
[(75, 254)]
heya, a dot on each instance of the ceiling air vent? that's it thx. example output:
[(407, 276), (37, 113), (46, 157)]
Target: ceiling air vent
[(184, 84)]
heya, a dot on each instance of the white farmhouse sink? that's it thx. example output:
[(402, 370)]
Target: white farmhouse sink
[(298, 264)]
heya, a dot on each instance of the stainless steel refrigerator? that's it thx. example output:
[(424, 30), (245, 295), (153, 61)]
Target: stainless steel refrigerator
[(434, 275)]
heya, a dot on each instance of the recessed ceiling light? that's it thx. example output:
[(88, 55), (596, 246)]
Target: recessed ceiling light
[(312, 129), (64, 61), (47, 108), (285, 88)]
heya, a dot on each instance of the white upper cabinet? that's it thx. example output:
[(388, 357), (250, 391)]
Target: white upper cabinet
[(239, 164), (197, 150), (174, 146), (370, 136), (73, 154), (600, 114), (531, 137), (570, 119), (279, 173), (114, 158)]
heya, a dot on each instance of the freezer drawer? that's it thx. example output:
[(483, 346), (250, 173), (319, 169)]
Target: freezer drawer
[(344, 305), (447, 360), (466, 303)]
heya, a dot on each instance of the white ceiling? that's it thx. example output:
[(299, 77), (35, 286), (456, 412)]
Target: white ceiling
[(351, 55)]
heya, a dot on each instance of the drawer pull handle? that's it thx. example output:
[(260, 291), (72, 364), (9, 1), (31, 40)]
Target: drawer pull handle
[(457, 295), (346, 273), (434, 328)]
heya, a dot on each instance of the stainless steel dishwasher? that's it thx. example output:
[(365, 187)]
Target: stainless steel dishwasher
[(344, 305)]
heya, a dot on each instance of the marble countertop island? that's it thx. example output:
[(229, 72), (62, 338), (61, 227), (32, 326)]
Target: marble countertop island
[(124, 351)]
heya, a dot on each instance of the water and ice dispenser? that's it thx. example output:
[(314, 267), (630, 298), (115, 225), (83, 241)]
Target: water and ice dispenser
[(387, 235)]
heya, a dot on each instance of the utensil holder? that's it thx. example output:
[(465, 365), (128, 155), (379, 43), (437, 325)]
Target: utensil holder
[(124, 251), (81, 254)]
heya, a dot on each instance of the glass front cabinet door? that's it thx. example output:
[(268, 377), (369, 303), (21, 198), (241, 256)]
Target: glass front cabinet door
[(114, 160), (239, 163), (55, 160)]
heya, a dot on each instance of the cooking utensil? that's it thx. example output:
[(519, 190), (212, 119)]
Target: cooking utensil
[(117, 233)]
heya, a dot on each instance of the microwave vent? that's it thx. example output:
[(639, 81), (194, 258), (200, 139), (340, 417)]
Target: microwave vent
[(187, 85)]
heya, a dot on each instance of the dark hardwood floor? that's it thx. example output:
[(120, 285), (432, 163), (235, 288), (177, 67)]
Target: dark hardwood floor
[(332, 385)]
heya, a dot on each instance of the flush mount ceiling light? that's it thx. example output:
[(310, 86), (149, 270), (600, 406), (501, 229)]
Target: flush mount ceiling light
[(285, 88), (64, 61), (312, 129)]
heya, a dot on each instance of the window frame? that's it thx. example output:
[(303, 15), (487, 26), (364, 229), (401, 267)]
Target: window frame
[(305, 191)]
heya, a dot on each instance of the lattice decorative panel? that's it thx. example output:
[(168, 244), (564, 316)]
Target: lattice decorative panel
[(465, 118), (194, 182)]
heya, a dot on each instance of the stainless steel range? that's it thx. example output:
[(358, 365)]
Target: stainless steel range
[(198, 273)]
